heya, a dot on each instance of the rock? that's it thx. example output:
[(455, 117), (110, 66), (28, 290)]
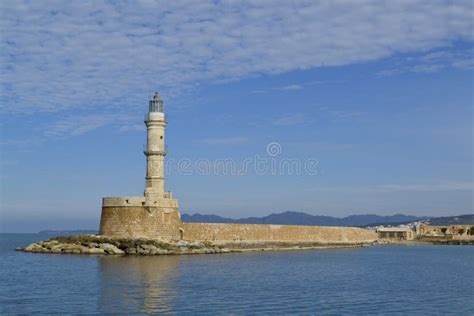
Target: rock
[(111, 246), (148, 247), (30, 247), (131, 251), (182, 243), (196, 244), (56, 247), (34, 247), (68, 248), (95, 251), (199, 251), (158, 251), (111, 249)]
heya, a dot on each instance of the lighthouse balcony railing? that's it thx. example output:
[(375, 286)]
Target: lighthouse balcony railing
[(165, 117), (155, 151)]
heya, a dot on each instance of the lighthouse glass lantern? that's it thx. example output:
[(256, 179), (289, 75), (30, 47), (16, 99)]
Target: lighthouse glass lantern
[(156, 105)]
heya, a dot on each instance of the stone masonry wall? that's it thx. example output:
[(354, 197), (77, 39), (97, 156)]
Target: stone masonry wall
[(163, 222), (454, 230), (257, 232), (140, 222)]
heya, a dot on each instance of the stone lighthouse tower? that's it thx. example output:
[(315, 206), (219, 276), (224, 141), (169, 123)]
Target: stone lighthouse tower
[(155, 150), (154, 215)]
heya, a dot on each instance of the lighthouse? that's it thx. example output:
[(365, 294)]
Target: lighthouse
[(155, 214), (155, 149)]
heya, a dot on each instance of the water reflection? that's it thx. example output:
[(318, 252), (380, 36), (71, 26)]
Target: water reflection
[(131, 284)]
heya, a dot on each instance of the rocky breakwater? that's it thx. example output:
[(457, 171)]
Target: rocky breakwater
[(97, 245)]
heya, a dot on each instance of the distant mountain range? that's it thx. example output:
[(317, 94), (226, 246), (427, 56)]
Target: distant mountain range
[(452, 220), (299, 218)]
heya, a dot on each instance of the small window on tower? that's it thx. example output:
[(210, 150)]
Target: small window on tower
[(161, 137)]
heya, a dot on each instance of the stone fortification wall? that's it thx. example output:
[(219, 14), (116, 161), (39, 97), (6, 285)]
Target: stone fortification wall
[(257, 232), (136, 217)]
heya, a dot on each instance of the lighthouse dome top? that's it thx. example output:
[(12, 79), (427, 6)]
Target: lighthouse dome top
[(156, 104)]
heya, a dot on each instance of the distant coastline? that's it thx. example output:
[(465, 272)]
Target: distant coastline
[(70, 232), (364, 220)]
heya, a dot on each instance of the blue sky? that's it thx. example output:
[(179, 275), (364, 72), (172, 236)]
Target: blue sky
[(378, 93)]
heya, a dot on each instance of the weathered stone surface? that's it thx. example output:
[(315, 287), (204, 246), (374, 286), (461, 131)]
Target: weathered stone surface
[(196, 244), (131, 251), (111, 249), (182, 244), (70, 246), (148, 247), (35, 248), (161, 252), (269, 233), (163, 222), (95, 251), (160, 221)]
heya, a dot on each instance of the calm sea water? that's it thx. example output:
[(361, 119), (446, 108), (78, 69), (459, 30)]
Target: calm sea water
[(377, 280)]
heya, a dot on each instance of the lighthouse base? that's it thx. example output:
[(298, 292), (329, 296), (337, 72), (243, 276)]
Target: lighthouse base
[(140, 217)]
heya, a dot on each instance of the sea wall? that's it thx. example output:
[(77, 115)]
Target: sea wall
[(291, 233), (138, 217)]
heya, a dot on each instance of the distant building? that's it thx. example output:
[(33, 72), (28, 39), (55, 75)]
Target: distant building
[(396, 233), (452, 231)]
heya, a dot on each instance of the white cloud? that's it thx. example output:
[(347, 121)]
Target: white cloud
[(295, 87), (290, 120), (433, 62), (132, 128), (292, 87), (58, 55), (74, 126), (78, 125)]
